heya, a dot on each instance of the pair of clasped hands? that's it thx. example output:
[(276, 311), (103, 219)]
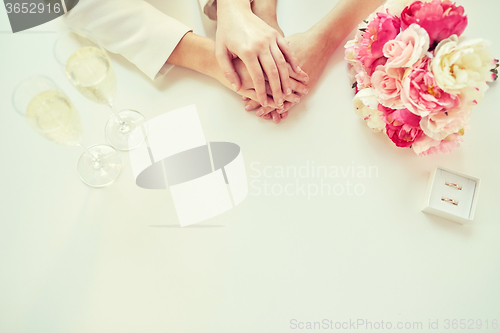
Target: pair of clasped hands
[(257, 60)]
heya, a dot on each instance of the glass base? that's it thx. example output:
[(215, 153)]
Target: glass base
[(119, 136), (103, 171)]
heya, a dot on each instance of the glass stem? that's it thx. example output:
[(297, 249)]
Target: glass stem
[(123, 125), (96, 162)]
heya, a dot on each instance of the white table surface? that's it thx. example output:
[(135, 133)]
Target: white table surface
[(77, 259)]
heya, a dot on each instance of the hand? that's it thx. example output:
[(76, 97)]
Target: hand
[(276, 114), (242, 34), (247, 89), (313, 54)]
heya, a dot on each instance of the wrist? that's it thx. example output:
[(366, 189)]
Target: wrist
[(325, 39), (266, 11), (208, 64), (195, 52), (231, 7)]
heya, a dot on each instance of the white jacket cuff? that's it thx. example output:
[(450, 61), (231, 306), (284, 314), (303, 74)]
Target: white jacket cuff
[(135, 29)]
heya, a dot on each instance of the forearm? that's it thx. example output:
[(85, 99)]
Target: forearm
[(226, 7), (265, 9), (194, 52), (197, 53), (342, 19)]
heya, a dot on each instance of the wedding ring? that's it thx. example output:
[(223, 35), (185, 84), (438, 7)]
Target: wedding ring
[(450, 201), (455, 185)]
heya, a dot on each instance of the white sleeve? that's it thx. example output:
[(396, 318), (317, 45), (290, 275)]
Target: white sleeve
[(133, 28)]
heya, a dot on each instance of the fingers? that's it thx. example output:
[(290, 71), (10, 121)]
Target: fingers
[(255, 71), (276, 117), (251, 94), (263, 111), (226, 64), (291, 58), (273, 76), (294, 97), (299, 87), (300, 76), (279, 59), (270, 113), (287, 107), (252, 105)]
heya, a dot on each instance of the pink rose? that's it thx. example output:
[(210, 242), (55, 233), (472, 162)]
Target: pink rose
[(440, 19), (408, 47), (402, 126), (445, 124), (421, 94), (379, 31), (388, 87), (428, 146)]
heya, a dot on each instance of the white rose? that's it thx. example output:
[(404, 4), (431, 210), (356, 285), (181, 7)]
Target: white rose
[(366, 106), (463, 67), (441, 125)]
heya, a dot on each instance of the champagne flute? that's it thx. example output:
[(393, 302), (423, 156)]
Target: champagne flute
[(88, 68), (50, 112)]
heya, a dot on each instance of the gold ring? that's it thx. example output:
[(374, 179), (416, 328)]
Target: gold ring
[(455, 185), (450, 201)]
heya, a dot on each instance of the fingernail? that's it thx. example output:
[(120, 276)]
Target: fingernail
[(306, 78), (234, 86), (305, 91), (265, 103), (296, 100), (247, 108), (299, 69), (284, 115), (289, 91), (260, 112), (275, 118), (280, 102)]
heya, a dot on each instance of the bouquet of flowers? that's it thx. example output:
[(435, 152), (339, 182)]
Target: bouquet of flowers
[(415, 78)]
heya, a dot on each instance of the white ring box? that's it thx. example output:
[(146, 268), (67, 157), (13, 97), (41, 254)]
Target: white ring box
[(465, 199)]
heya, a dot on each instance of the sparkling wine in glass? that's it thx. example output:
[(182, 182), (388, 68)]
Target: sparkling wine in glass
[(88, 68), (52, 114)]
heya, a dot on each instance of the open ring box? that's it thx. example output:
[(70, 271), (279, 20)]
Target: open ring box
[(451, 195)]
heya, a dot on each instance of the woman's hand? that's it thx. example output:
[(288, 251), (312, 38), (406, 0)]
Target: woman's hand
[(313, 53), (247, 89), (265, 53)]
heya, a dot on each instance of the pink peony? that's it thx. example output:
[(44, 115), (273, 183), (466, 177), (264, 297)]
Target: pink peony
[(402, 126), (427, 146), (440, 19), (421, 94), (445, 125), (388, 87), (379, 31)]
